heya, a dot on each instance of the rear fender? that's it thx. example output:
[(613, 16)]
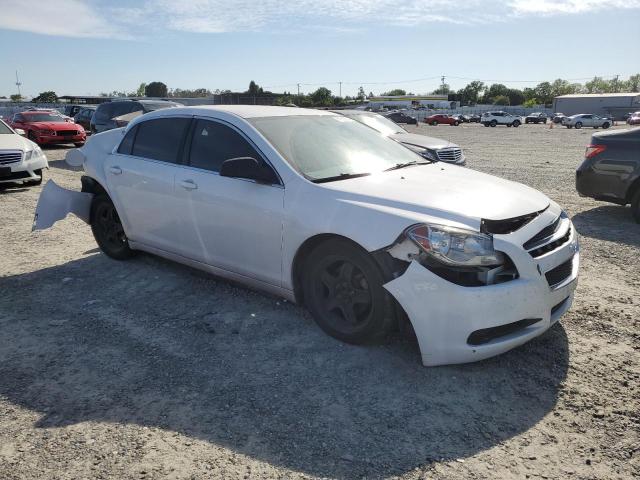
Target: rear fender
[(55, 203)]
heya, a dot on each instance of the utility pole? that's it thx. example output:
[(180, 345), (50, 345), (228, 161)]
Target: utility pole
[(340, 89), (298, 90), (18, 83), (615, 84), (442, 78)]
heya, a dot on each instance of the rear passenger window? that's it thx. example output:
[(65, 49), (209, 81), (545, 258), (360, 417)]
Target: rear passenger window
[(160, 139), (213, 143), (127, 141)]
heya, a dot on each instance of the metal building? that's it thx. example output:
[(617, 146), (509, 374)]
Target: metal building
[(613, 104)]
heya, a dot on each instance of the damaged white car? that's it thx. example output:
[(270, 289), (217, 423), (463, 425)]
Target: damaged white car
[(325, 211)]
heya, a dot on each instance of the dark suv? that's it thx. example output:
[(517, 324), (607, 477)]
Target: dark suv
[(103, 118), (611, 169)]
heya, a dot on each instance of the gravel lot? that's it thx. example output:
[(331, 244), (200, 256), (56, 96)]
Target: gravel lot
[(147, 369)]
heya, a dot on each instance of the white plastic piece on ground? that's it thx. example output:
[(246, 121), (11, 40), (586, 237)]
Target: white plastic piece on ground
[(75, 157), (55, 203)]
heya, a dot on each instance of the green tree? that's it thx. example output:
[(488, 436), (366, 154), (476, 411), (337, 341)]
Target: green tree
[(598, 85), (633, 83), (563, 87), (46, 97), (494, 91), (501, 100), (397, 92), (156, 89), (516, 97), (361, 96), (470, 94), (254, 88), (532, 102), (321, 97), (543, 92), (141, 90), (443, 89), (16, 97)]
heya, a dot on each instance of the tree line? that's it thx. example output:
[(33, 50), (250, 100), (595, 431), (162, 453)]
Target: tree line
[(475, 92)]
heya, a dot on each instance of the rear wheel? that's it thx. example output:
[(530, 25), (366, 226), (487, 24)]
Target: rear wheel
[(434, 123), (79, 144), (456, 123), (606, 125), (107, 229), (516, 123), (343, 290), (578, 124), (493, 123)]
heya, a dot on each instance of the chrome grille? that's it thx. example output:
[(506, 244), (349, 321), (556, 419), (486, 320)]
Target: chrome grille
[(450, 154), (10, 156)]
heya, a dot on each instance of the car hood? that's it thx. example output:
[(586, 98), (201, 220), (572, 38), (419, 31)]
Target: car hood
[(54, 125), (442, 191), (13, 141), (422, 141)]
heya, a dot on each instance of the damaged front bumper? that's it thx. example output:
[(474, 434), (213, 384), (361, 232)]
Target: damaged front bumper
[(55, 203), (459, 324)]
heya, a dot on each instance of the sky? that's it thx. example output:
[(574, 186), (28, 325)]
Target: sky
[(85, 47)]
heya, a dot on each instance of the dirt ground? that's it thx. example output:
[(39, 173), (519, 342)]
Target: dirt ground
[(147, 369)]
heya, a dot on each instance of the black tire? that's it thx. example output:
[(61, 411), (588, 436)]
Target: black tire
[(516, 123), (544, 121), (107, 229), (527, 121), (569, 126), (434, 124), (343, 290), (78, 144), (578, 125), (36, 182), (635, 205), (493, 123), (485, 124), (456, 123), (32, 137), (509, 125), (606, 125)]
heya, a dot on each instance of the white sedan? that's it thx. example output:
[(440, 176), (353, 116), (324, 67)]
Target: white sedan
[(21, 160), (586, 120), (325, 211)]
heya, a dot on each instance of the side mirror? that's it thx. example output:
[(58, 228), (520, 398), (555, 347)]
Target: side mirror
[(248, 168), (20, 132)]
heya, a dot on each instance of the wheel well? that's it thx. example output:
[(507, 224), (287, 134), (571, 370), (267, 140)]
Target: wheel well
[(90, 185)]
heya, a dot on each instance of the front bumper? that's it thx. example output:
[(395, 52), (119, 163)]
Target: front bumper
[(53, 139), (445, 315), (24, 170)]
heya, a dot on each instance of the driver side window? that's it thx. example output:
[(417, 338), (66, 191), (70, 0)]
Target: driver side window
[(213, 143)]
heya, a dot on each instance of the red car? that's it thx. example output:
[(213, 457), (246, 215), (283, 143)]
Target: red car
[(46, 128), (446, 119)]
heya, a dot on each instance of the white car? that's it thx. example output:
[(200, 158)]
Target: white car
[(491, 119), (325, 211), (586, 120), (21, 160)]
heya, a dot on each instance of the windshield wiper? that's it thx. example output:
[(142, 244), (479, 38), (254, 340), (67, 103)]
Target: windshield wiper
[(342, 176), (398, 166)]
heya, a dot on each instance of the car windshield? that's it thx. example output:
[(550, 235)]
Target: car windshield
[(153, 106), (328, 147), (43, 117), (377, 122), (4, 129)]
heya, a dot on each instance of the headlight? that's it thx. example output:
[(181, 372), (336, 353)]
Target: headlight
[(456, 246), (33, 154)]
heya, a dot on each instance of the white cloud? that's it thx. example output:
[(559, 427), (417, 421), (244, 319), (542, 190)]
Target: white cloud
[(67, 18), (80, 18)]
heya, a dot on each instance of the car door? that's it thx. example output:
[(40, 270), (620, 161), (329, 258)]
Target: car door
[(230, 223), (587, 120), (140, 179)]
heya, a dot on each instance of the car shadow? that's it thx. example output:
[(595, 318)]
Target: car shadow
[(608, 222), (156, 344)]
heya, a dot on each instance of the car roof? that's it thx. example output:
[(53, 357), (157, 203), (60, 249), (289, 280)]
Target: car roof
[(245, 111)]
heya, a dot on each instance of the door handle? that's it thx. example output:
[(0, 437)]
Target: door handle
[(188, 184), (115, 170)]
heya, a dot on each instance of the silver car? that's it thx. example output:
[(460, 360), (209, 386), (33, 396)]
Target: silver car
[(586, 120), (431, 148)]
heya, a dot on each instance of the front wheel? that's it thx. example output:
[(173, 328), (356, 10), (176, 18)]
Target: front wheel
[(107, 229), (493, 123), (606, 125), (343, 290), (434, 123), (456, 123), (78, 144), (578, 124), (516, 123)]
